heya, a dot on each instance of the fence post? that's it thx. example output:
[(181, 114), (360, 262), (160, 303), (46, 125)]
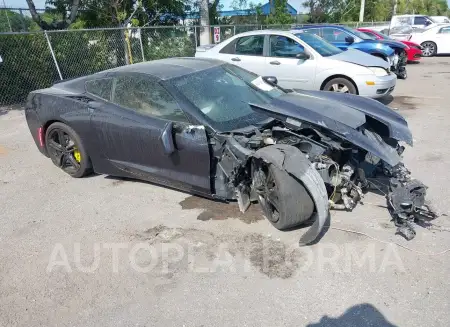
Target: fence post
[(53, 54), (195, 35), (234, 32), (142, 47)]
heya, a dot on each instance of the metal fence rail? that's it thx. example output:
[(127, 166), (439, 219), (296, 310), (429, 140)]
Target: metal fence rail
[(35, 60)]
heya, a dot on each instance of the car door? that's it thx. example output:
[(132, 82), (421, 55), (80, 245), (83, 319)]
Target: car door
[(336, 37), (443, 40), (128, 127), (246, 52), (282, 62)]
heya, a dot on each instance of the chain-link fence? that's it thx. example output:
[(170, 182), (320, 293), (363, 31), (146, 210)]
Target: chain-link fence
[(35, 60)]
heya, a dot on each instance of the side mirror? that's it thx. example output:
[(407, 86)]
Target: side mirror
[(167, 139), (272, 80), (349, 39), (303, 56)]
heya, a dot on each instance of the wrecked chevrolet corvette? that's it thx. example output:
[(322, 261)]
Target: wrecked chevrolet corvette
[(216, 130)]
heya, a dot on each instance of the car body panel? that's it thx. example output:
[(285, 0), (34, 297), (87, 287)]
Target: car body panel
[(439, 34), (413, 50), (216, 162), (308, 74), (368, 46)]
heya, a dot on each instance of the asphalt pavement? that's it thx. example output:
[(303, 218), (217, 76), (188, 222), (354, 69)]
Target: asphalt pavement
[(102, 251)]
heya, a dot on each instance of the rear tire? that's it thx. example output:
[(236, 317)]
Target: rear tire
[(66, 150), (340, 85), (284, 200)]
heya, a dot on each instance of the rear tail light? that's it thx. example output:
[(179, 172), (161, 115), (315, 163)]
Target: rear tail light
[(40, 132)]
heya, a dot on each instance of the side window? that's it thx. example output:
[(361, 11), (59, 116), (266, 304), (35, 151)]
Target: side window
[(139, 93), (312, 31), (334, 35), (100, 87), (444, 30), (229, 48), (282, 46), (250, 45), (419, 20)]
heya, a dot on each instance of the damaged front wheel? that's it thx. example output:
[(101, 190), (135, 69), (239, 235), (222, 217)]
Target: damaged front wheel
[(284, 200)]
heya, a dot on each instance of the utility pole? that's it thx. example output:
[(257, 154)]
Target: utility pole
[(361, 11), (205, 29)]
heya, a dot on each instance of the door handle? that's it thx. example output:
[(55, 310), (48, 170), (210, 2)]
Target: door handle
[(276, 62), (235, 59)]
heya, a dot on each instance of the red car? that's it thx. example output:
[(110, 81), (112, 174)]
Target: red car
[(414, 51)]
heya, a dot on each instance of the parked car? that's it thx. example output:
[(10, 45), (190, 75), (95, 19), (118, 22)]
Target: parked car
[(345, 37), (440, 19), (217, 130), (412, 21), (434, 40), (305, 61), (413, 50), (415, 21)]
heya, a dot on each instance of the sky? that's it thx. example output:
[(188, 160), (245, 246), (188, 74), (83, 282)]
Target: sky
[(226, 3), (297, 4)]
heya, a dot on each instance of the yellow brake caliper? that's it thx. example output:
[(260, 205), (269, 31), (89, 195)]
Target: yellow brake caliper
[(77, 155)]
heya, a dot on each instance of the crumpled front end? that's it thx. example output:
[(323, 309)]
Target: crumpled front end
[(398, 63)]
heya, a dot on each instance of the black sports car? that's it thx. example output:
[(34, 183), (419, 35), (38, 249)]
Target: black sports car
[(217, 130)]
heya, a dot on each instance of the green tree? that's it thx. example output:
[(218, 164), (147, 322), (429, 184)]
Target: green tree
[(279, 14), (11, 21), (68, 10)]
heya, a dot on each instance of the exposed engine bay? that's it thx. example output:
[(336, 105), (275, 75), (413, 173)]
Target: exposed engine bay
[(347, 171), (398, 63)]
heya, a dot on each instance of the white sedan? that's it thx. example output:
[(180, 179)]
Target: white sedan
[(305, 61), (434, 40)]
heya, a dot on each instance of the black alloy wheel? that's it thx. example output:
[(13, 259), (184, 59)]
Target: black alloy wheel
[(65, 149)]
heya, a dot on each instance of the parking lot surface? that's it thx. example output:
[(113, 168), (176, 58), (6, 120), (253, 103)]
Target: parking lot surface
[(102, 251)]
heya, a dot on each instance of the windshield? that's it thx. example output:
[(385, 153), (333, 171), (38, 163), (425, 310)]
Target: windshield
[(324, 48), (359, 34), (223, 94)]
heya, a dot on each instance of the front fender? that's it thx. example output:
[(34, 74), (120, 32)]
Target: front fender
[(296, 164)]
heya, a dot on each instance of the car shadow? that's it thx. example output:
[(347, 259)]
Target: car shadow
[(386, 100), (361, 315), (119, 180)]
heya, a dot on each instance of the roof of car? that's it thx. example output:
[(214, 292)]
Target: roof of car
[(317, 26), (258, 32), (170, 67)]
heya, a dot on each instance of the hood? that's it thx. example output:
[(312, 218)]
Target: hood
[(393, 43), (347, 116), (360, 58), (411, 44)]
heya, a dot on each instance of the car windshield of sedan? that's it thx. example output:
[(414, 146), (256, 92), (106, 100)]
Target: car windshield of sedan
[(324, 48), (223, 94)]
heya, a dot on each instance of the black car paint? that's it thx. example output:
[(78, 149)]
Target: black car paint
[(124, 143)]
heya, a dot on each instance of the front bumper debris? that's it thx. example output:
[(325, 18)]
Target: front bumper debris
[(406, 202)]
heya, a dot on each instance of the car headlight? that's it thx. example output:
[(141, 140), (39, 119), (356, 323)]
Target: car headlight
[(378, 71)]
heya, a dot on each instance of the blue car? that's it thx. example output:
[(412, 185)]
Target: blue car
[(345, 37)]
